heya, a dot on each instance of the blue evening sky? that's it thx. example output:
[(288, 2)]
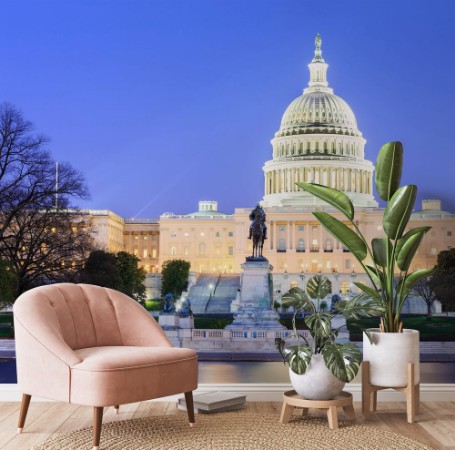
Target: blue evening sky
[(162, 103)]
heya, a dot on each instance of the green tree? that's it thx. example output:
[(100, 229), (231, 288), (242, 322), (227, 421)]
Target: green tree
[(443, 279), (101, 269), (174, 277), (8, 282), (119, 271), (132, 277)]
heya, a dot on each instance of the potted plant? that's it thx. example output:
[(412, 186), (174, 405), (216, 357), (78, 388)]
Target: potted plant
[(386, 262), (319, 369)]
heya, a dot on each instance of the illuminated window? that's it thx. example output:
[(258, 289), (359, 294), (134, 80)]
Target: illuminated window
[(74, 229), (154, 253), (202, 234), (186, 250), (53, 229), (186, 234), (145, 238), (173, 251), (136, 238), (136, 252), (145, 254), (314, 245)]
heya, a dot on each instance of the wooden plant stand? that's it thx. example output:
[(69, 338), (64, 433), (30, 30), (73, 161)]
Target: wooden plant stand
[(292, 400), (370, 392)]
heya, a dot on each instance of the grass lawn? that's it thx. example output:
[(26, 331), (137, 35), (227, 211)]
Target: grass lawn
[(430, 328)]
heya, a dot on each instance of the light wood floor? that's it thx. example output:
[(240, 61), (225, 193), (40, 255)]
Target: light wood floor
[(435, 423)]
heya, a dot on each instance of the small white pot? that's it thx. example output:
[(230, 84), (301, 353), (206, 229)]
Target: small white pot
[(389, 356), (317, 383)]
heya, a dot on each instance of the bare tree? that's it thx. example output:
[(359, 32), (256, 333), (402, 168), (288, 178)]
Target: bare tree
[(423, 289), (44, 240), (27, 171)]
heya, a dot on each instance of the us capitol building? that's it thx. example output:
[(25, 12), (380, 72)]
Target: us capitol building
[(318, 141)]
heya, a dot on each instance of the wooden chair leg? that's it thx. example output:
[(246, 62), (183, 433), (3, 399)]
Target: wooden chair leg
[(366, 396), (23, 413), (97, 421), (190, 407)]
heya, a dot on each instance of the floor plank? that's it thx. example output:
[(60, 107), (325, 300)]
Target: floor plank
[(435, 424)]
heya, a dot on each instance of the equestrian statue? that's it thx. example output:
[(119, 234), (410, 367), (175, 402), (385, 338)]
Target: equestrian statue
[(258, 231)]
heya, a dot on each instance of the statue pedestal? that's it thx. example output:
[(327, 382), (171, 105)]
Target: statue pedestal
[(168, 321), (186, 322), (255, 303)]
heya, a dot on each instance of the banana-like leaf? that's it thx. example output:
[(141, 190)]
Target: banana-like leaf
[(337, 199), (377, 275), (373, 293), (361, 305), (380, 248), (389, 164), (410, 281), (319, 324), (318, 287), (298, 357), (407, 247), (398, 211), (343, 233), (343, 360)]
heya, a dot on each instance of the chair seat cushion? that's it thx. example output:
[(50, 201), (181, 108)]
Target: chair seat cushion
[(114, 375)]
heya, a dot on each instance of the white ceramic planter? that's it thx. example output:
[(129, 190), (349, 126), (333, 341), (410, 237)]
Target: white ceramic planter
[(317, 383), (389, 356)]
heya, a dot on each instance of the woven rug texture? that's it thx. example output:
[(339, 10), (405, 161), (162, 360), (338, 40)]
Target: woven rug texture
[(232, 431)]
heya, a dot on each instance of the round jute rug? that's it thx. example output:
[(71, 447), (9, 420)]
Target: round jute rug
[(233, 431)]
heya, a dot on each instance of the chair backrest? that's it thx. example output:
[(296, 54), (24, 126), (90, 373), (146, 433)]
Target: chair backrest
[(83, 315)]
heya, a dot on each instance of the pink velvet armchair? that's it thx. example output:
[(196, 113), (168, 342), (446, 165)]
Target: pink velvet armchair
[(94, 346)]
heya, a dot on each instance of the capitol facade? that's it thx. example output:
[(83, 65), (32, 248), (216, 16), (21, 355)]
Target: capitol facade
[(318, 141)]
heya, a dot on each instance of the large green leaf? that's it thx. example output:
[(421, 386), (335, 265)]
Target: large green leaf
[(320, 324), (398, 211), (380, 248), (318, 287), (389, 164), (297, 298), (343, 233), (407, 247), (362, 305), (343, 360), (337, 199), (406, 284), (376, 274), (298, 357), (373, 293)]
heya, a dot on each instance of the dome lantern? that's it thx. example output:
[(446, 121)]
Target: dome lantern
[(318, 70)]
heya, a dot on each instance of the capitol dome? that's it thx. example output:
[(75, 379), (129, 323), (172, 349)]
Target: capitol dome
[(318, 109), (318, 142)]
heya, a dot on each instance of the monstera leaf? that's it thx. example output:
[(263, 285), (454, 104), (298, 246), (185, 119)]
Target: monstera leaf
[(320, 324), (297, 298), (318, 287), (343, 360), (298, 357)]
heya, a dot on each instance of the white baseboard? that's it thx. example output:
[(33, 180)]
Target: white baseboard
[(273, 392)]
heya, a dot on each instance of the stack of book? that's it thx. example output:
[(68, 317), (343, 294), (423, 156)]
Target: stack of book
[(213, 402)]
